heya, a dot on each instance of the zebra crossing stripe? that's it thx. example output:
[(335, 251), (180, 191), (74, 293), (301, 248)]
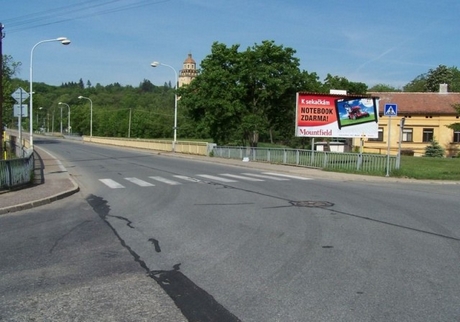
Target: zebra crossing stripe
[(140, 182), (188, 179), (287, 176), (265, 176), (164, 180), (240, 177), (111, 183), (207, 176)]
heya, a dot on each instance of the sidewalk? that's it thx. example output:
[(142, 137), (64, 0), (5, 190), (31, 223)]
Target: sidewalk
[(57, 185)]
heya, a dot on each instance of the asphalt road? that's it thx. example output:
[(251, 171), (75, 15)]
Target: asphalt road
[(238, 243)]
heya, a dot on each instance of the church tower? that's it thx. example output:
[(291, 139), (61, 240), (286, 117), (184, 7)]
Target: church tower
[(188, 71)]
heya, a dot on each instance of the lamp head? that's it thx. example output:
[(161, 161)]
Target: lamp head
[(80, 97), (155, 64), (63, 40)]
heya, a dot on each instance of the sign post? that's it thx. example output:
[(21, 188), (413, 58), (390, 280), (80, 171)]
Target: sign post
[(20, 95), (389, 110)]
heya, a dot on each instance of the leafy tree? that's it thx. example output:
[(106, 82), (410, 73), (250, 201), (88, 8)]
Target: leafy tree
[(430, 81), (434, 150), (9, 69), (338, 82), (416, 85), (435, 77), (455, 126), (240, 95), (383, 88), (146, 86)]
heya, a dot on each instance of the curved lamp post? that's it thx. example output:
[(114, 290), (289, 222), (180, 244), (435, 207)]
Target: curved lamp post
[(63, 41), (155, 64), (68, 116), (91, 116)]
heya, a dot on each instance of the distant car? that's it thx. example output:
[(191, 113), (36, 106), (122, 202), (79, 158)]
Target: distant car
[(356, 113)]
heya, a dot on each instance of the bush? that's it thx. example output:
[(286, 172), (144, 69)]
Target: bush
[(407, 152)]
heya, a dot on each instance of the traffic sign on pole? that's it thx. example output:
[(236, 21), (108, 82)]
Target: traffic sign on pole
[(20, 109), (390, 110), (20, 95)]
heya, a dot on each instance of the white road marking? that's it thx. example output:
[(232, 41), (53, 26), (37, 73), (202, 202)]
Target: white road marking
[(189, 179), (264, 176), (164, 180), (140, 182), (111, 183), (240, 177), (287, 176), (215, 178)]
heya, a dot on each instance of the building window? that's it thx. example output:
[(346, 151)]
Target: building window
[(407, 135), (456, 137), (427, 135), (380, 135)]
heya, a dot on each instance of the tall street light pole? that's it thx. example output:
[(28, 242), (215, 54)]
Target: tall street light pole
[(63, 41), (155, 64), (68, 116), (60, 128), (40, 108), (91, 116)]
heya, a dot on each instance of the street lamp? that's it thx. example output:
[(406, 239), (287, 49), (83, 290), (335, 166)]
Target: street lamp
[(155, 64), (68, 116), (91, 116), (63, 41)]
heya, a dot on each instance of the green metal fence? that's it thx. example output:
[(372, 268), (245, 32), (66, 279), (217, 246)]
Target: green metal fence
[(18, 171), (309, 158)]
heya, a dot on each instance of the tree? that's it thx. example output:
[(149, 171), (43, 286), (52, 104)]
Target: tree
[(383, 88), (434, 150), (240, 95), (455, 126), (9, 69), (416, 85), (430, 81), (435, 77), (338, 82)]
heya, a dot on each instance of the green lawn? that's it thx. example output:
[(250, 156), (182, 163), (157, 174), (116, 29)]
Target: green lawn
[(429, 168), (421, 168)]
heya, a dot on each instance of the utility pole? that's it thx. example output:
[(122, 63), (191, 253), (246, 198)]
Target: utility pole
[(1, 91)]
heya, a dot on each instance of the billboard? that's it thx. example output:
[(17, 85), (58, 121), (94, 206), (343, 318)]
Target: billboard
[(331, 115)]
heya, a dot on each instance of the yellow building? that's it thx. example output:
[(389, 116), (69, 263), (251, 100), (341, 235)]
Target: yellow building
[(426, 117)]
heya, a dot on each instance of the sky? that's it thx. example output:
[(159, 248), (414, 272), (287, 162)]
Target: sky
[(114, 41)]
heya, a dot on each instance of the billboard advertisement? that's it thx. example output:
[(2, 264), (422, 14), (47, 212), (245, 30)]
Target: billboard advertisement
[(330, 115)]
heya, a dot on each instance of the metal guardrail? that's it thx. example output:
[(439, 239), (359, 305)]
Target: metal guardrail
[(18, 171), (309, 158)]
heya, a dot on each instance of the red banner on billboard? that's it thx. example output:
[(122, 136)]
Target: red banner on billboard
[(330, 115)]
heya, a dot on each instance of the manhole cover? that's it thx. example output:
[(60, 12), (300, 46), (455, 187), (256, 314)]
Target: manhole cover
[(312, 203)]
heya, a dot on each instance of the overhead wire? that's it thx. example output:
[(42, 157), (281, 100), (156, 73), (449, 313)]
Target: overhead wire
[(48, 17)]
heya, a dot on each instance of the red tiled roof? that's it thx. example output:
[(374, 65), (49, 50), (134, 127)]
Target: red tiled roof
[(419, 103)]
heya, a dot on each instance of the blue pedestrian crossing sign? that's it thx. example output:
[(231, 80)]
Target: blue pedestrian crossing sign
[(391, 110)]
